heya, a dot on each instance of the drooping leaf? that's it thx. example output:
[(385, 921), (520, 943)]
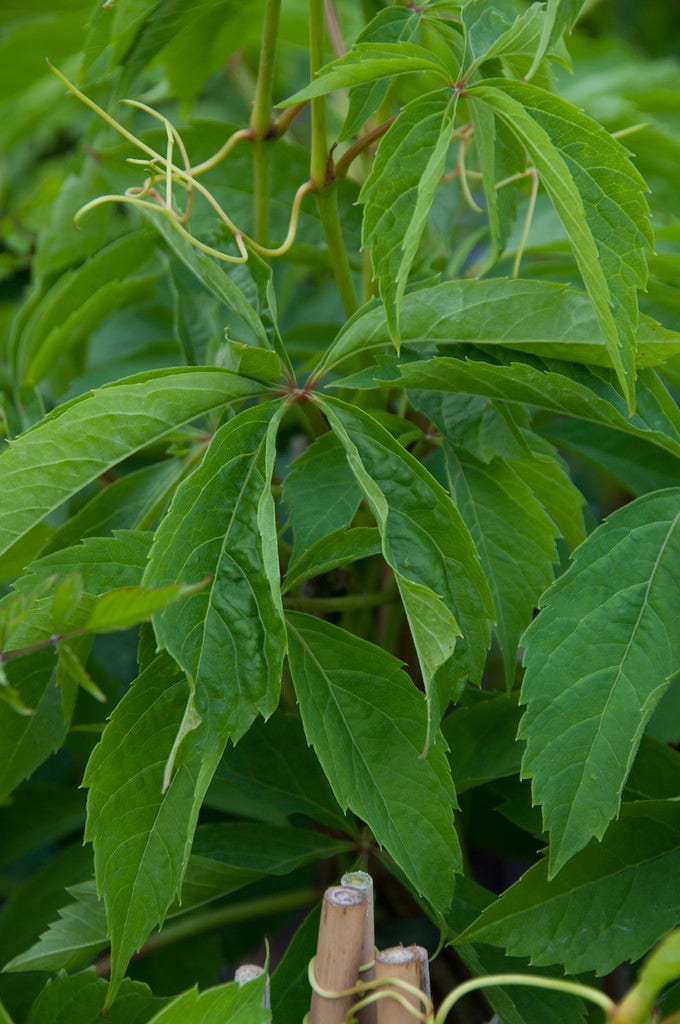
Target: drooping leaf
[(500, 157), (557, 387), (142, 833), (79, 999), (428, 546), (369, 62), (77, 442), (390, 25), (600, 199), (598, 657), (320, 492), (368, 725), (515, 538), (399, 190), (337, 549), (538, 317), (610, 904), (228, 636)]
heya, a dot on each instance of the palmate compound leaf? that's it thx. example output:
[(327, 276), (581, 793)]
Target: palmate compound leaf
[(599, 656), (229, 637), (610, 904), (599, 197), (80, 440), (428, 546), (398, 192), (368, 723)]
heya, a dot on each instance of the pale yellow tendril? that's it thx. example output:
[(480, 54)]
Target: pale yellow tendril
[(165, 172)]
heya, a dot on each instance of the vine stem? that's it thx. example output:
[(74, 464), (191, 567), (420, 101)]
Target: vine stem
[(319, 157), (327, 201), (261, 121), (573, 988)]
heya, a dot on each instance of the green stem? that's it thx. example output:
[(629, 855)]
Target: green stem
[(319, 157), (262, 189), (261, 121), (350, 602), (327, 200)]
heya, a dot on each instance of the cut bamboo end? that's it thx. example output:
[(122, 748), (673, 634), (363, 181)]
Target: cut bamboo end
[(363, 882), (338, 953), (408, 964), (248, 972)]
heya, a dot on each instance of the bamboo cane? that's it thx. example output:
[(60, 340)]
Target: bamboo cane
[(405, 963), (363, 882), (338, 953)]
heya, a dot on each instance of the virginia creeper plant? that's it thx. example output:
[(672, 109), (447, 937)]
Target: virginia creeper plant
[(340, 503)]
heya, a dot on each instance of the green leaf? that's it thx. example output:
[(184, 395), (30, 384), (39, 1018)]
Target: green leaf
[(337, 549), (483, 428), (368, 726), (141, 831), (515, 538), (539, 317), (320, 492), (495, 29), (80, 300), (80, 1000), (228, 1004), (368, 62), (229, 637), (272, 774), (598, 195), (390, 25), (290, 988), (609, 905), (259, 364), (515, 1004), (128, 606), (500, 157), (399, 190), (482, 739), (548, 478), (101, 563), (558, 387), (210, 275), (264, 849), (129, 503), (428, 546), (80, 440), (77, 935), (28, 740), (560, 17), (598, 657)]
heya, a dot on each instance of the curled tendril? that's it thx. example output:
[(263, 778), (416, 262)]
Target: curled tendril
[(164, 175)]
